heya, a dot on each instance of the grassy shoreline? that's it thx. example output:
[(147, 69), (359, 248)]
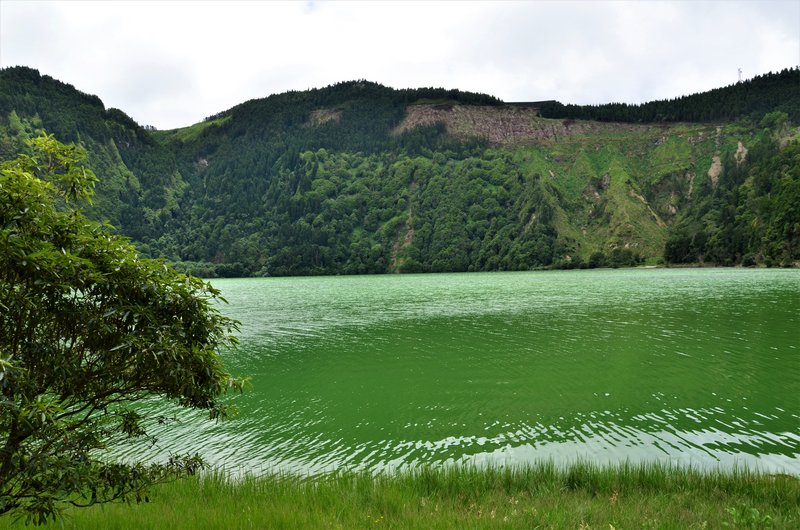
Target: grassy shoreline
[(539, 496)]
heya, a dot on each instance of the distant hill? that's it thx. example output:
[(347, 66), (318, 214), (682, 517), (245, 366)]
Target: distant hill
[(752, 99), (361, 178), (134, 168)]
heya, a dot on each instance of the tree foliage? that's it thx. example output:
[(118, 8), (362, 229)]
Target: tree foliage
[(87, 330), (749, 99), (133, 164), (753, 214)]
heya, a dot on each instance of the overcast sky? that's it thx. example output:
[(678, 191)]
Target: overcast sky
[(172, 64)]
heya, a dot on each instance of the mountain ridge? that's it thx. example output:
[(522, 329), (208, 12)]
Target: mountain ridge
[(360, 178)]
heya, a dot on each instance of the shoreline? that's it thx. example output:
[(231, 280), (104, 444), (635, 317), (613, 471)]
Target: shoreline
[(582, 495)]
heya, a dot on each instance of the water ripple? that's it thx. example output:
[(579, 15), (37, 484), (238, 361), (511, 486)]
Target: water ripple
[(688, 366)]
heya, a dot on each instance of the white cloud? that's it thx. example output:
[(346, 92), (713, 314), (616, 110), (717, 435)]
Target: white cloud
[(172, 64)]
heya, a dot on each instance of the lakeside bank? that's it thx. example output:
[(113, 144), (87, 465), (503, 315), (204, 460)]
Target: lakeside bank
[(581, 495)]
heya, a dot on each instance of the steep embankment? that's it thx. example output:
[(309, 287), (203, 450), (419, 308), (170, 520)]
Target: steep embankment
[(610, 185), (501, 125)]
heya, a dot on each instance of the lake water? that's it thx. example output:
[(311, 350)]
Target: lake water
[(695, 367)]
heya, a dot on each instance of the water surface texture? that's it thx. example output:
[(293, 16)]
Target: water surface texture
[(692, 366)]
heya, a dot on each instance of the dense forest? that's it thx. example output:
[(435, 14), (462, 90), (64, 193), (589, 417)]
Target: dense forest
[(752, 99), (753, 214), (342, 179)]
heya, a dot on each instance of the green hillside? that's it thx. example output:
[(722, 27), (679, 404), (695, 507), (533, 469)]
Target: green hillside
[(361, 178), (779, 91), (135, 171)]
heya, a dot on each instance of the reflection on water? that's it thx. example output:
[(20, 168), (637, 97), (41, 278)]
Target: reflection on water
[(691, 366)]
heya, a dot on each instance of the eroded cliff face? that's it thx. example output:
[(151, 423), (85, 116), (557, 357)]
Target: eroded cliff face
[(502, 125)]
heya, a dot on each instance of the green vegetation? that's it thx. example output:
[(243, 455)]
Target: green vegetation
[(540, 496), (87, 331), (187, 134), (752, 99), (342, 180), (752, 214)]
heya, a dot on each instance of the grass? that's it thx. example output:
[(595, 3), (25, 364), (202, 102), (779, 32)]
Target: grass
[(186, 134), (540, 496)]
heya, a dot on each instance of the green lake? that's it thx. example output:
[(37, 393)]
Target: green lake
[(695, 367)]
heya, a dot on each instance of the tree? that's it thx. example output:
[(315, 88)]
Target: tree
[(87, 330), (775, 120)]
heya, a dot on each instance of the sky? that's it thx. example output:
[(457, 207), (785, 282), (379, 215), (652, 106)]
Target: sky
[(171, 64)]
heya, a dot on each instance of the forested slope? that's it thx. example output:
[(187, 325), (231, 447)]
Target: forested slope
[(134, 169), (357, 177), (752, 99)]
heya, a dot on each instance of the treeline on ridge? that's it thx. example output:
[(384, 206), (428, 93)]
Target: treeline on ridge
[(752, 99)]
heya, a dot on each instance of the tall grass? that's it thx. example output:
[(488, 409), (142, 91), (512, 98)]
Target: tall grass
[(582, 495)]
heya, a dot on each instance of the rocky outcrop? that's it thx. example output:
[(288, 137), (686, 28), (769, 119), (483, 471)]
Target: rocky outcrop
[(322, 116)]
